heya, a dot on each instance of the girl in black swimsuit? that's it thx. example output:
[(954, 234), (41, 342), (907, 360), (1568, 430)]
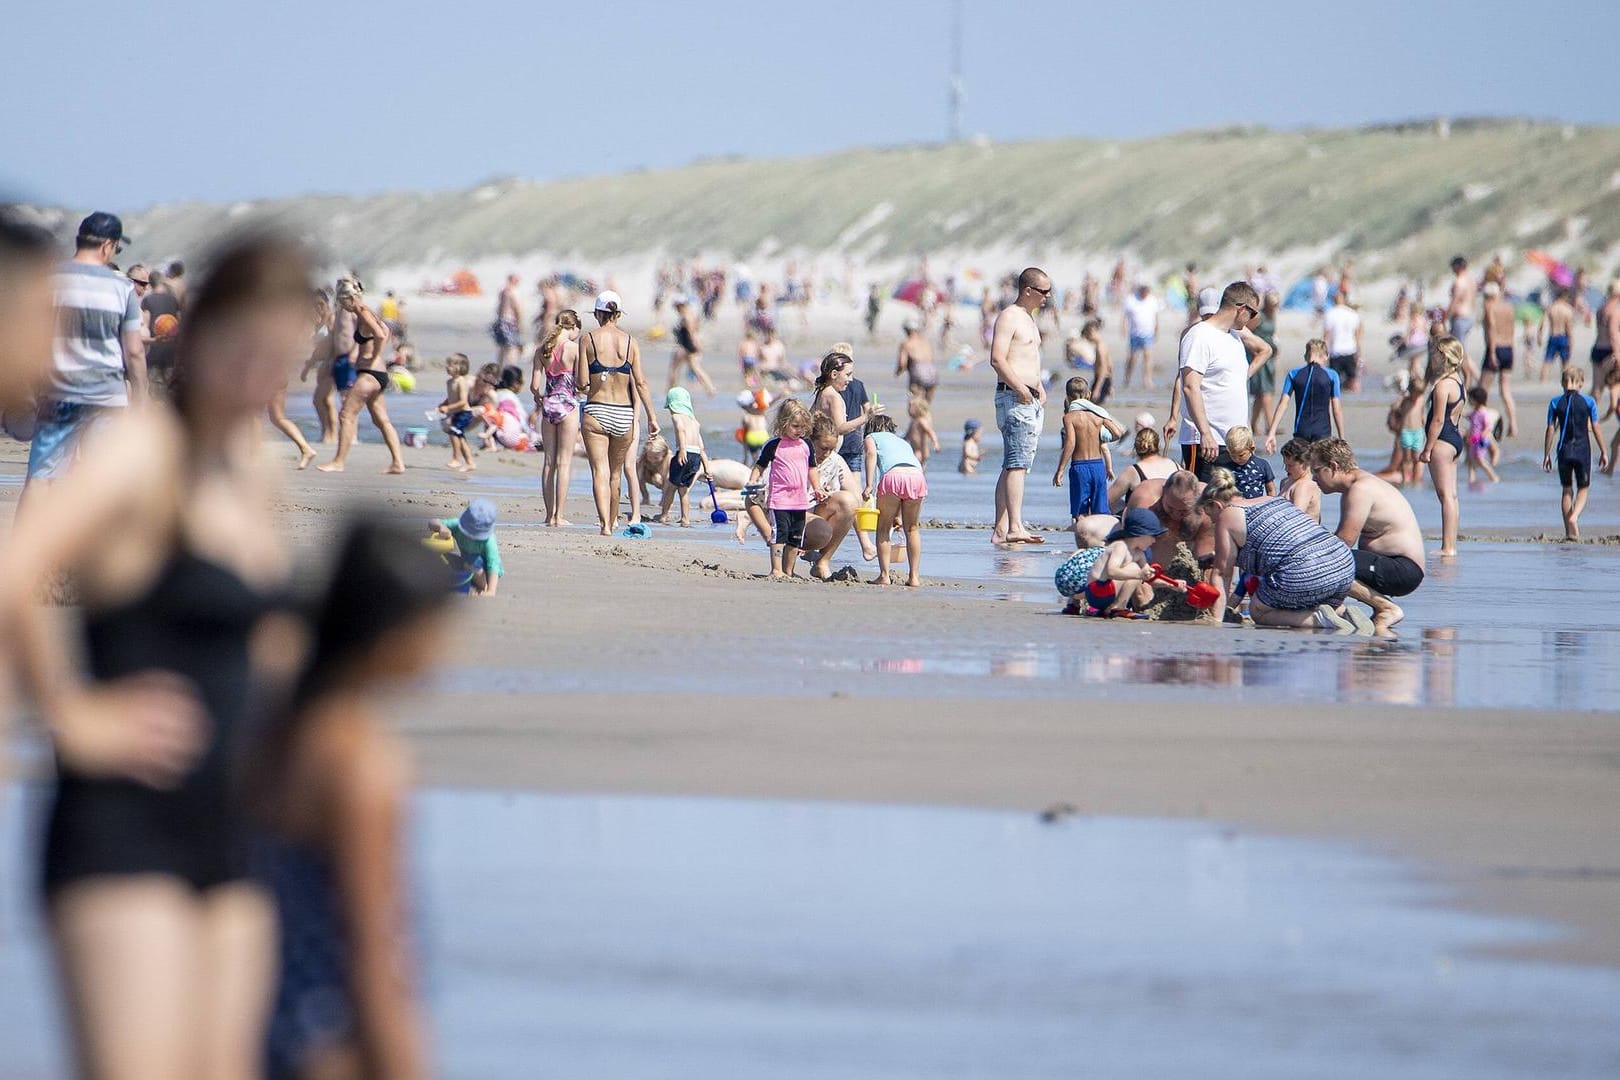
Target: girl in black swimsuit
[(163, 944), (371, 381), (1443, 442)]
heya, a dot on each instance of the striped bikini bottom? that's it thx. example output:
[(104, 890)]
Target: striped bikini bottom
[(611, 417)]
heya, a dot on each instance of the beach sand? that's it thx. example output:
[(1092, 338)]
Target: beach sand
[(668, 666)]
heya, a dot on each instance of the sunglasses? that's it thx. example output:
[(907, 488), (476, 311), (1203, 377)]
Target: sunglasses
[(141, 282), (1254, 312), (1044, 292)]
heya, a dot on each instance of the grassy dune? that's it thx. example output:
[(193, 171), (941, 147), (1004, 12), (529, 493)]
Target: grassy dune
[(1400, 198)]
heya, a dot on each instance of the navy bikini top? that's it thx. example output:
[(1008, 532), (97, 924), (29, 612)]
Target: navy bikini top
[(596, 367)]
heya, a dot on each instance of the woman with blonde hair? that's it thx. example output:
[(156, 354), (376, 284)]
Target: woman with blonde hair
[(1150, 464), (556, 399), (1443, 440), (370, 380), (1301, 572), (608, 365)]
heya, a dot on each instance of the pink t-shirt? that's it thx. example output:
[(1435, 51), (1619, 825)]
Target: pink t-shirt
[(788, 484)]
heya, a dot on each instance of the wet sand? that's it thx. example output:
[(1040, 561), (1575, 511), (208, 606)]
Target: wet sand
[(667, 667)]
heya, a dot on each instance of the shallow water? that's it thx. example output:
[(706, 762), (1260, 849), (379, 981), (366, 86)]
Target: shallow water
[(1477, 634), (586, 936)]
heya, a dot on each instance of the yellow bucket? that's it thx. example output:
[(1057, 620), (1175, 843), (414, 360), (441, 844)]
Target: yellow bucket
[(866, 518)]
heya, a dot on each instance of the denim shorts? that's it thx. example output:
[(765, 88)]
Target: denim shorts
[(1020, 426), (57, 435)]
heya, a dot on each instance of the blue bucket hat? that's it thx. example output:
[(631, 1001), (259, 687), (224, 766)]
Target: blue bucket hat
[(478, 520)]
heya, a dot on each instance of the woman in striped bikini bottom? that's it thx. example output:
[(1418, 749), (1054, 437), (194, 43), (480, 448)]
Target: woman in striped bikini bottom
[(614, 419), (609, 366)]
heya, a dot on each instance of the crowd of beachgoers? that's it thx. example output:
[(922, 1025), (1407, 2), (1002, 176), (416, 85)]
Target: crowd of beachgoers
[(223, 767)]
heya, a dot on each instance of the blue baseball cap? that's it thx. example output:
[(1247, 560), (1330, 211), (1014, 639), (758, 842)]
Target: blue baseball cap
[(478, 520), (1138, 522), (103, 226)]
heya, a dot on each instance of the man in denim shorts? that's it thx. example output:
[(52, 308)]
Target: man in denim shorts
[(1015, 356), (98, 361)]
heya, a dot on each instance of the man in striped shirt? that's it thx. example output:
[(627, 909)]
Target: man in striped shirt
[(98, 359)]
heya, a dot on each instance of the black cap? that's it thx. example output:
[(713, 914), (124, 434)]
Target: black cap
[(102, 226)]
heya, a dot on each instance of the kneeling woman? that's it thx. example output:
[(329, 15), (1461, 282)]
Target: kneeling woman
[(1304, 572)]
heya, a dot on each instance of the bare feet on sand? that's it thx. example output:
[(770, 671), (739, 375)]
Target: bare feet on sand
[(304, 459), (394, 470), (330, 466)]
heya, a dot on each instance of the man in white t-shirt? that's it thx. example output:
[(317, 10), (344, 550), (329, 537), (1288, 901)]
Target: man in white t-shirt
[(1141, 327), (1215, 378), (1341, 327)]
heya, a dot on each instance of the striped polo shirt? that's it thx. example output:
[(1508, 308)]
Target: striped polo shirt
[(94, 306)]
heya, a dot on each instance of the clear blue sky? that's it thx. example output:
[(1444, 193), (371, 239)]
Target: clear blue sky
[(122, 105)]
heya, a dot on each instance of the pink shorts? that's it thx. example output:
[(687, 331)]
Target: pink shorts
[(903, 484)]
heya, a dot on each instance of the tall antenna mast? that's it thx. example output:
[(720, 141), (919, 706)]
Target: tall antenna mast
[(954, 95)]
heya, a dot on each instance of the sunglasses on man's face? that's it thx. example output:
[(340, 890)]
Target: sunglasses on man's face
[(1044, 292), (141, 282)]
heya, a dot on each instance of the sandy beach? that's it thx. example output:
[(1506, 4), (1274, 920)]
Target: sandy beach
[(668, 667)]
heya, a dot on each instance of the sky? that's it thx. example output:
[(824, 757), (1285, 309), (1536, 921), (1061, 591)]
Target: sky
[(225, 101)]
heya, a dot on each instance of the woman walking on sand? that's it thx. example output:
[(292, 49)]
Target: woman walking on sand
[(370, 381), (1443, 440), (557, 398), (163, 941), (609, 366)]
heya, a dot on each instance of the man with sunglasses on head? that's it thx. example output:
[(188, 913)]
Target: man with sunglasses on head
[(1015, 356), (1214, 377), (98, 359)]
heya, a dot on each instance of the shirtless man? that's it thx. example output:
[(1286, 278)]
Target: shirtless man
[(915, 361), (507, 329), (1558, 325), (1175, 500), (1608, 333), (550, 304), (773, 356), (1499, 326), (1378, 525), (334, 370), (1015, 357), (1461, 311)]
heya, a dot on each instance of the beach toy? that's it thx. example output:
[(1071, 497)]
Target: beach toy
[(866, 518), (639, 531), (165, 326), (717, 516), (1201, 595), (416, 436), (442, 544), (742, 434), (402, 379)]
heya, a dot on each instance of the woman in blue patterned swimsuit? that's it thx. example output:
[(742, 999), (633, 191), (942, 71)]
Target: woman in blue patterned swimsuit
[(1303, 571)]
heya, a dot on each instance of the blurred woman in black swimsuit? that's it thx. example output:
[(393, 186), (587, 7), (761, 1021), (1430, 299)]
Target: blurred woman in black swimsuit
[(163, 945), (370, 380), (1443, 441)]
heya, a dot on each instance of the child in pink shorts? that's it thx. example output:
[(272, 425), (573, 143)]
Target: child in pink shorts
[(895, 476)]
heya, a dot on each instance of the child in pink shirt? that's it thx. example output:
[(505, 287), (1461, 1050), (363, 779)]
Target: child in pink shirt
[(789, 482)]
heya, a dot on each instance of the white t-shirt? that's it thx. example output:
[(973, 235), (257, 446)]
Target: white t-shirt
[(1141, 315), (1339, 326), (1218, 356)]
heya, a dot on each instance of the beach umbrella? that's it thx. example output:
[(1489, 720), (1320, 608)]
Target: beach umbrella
[(916, 291), (1557, 272)]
